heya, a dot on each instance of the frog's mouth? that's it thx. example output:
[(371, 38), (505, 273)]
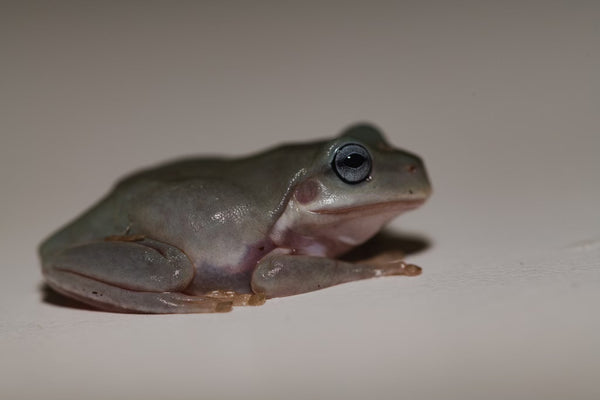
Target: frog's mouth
[(376, 208)]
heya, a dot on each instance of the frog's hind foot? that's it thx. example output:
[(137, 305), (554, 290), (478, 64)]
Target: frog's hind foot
[(143, 276), (238, 299)]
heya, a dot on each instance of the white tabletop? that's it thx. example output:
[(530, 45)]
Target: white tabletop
[(502, 100)]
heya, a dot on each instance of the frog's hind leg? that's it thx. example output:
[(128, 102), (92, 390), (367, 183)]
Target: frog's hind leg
[(142, 276)]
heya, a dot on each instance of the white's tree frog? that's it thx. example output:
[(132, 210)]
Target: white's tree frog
[(201, 235)]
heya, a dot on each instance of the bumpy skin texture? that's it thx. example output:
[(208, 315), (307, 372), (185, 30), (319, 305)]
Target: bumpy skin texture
[(199, 235)]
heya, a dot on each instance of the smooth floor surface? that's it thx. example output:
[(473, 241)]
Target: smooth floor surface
[(501, 99)]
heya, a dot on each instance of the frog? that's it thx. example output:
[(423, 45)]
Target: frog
[(204, 234)]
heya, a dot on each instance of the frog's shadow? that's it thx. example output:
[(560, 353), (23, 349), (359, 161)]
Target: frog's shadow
[(384, 241)]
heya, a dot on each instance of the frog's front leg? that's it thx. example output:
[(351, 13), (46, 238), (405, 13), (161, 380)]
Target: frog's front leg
[(139, 275), (285, 275)]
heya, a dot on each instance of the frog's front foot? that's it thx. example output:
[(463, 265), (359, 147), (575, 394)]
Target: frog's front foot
[(144, 276), (391, 263)]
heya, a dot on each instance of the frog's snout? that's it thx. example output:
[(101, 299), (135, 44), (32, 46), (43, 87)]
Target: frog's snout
[(415, 176)]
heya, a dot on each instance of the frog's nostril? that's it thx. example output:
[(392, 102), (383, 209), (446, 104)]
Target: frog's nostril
[(411, 169)]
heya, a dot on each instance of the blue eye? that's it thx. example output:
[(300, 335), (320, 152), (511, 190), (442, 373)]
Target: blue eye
[(352, 163)]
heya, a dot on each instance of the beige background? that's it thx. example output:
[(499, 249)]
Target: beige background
[(502, 99)]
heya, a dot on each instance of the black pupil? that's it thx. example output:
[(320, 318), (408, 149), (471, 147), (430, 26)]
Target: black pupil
[(354, 160)]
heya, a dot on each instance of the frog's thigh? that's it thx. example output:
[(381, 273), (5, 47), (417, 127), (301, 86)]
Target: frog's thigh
[(144, 276), (285, 275)]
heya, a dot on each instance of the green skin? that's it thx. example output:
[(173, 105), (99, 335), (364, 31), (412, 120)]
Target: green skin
[(199, 235)]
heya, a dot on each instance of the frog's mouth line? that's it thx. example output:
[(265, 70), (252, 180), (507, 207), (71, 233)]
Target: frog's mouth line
[(397, 206)]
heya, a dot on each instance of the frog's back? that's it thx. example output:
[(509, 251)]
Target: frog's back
[(110, 215), (249, 183)]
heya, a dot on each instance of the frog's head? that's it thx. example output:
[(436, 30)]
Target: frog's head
[(356, 183)]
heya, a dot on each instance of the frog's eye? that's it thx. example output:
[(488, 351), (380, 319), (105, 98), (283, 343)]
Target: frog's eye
[(352, 163)]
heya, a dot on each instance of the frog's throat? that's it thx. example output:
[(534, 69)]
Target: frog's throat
[(331, 232)]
